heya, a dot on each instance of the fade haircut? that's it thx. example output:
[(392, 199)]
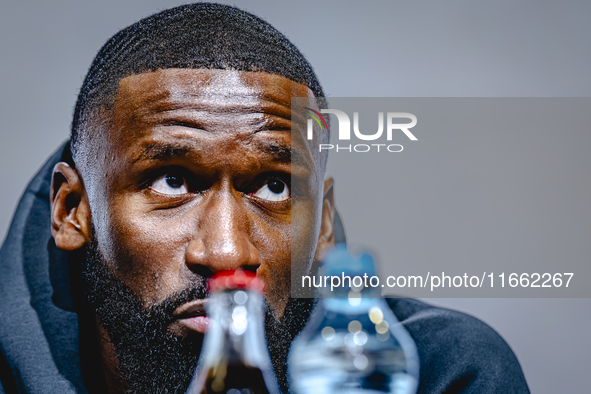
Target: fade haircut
[(201, 35)]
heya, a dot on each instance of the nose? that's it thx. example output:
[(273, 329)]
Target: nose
[(222, 240)]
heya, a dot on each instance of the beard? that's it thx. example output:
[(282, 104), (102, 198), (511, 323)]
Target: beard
[(151, 358)]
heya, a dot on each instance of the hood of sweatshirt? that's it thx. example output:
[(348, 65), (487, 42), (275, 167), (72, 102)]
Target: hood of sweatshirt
[(39, 334)]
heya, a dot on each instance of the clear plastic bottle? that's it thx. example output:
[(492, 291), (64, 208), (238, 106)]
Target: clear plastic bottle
[(353, 343), (235, 358)]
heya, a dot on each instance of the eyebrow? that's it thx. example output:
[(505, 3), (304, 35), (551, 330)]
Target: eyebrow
[(284, 153), (157, 151), (161, 151)]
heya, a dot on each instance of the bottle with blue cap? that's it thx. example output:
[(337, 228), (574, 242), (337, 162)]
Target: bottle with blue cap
[(353, 343)]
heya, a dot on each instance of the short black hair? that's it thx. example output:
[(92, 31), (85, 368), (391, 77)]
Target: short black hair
[(201, 35)]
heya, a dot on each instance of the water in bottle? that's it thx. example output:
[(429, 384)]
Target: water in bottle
[(353, 342)]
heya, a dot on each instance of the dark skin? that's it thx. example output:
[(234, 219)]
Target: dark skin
[(190, 174)]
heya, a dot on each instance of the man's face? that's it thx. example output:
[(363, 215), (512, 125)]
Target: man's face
[(200, 172), (198, 178)]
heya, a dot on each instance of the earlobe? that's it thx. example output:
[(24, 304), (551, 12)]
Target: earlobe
[(70, 212), (326, 236)]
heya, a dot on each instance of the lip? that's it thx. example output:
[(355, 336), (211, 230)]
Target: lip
[(192, 315)]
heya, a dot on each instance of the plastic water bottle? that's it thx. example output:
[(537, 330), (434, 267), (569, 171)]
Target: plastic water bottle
[(353, 343)]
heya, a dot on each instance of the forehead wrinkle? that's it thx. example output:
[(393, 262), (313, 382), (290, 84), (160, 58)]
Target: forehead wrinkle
[(251, 123), (217, 105), (163, 113), (160, 108)]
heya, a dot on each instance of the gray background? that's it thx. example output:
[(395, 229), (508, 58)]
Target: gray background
[(492, 185), (370, 48)]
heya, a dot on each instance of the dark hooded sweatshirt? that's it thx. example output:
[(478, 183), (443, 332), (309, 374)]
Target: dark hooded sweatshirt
[(42, 350)]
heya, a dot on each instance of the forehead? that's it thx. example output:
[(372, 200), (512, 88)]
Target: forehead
[(149, 91), (200, 103)]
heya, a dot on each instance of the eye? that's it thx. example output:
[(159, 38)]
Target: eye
[(273, 190), (171, 184)]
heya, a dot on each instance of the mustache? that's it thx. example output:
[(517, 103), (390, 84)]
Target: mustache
[(166, 307)]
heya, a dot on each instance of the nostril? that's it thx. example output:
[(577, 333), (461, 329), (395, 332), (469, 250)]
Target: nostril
[(251, 268), (202, 270)]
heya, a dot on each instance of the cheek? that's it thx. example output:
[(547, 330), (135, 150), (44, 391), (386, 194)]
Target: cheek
[(290, 255), (147, 251), (272, 239), (305, 228)]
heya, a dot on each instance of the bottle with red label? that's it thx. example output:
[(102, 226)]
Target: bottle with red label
[(235, 358)]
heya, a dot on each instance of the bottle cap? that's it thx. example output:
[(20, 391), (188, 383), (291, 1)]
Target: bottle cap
[(339, 261), (235, 279)]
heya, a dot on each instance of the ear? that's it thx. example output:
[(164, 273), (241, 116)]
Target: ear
[(70, 211), (326, 236)]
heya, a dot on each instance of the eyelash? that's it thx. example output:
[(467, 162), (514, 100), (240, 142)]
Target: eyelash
[(263, 179), (151, 178)]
